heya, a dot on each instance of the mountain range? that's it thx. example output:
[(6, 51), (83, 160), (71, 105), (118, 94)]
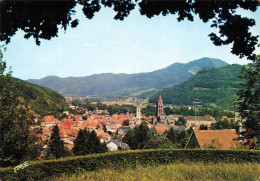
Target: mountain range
[(209, 86), (138, 84)]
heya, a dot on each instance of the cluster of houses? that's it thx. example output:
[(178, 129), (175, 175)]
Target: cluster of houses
[(106, 126), (101, 124)]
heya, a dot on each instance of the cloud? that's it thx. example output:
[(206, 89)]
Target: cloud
[(89, 44)]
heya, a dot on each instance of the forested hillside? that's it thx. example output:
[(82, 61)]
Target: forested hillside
[(209, 86), (41, 99)]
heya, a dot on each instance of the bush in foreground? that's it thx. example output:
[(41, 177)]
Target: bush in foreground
[(40, 170)]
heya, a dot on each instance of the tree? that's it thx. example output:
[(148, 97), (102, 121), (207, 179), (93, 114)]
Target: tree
[(142, 135), (172, 135), (168, 110), (101, 106), (249, 105), (56, 145), (178, 138), (203, 127), (138, 137), (18, 142), (40, 21), (81, 143), (104, 128), (95, 145), (125, 123), (222, 124), (129, 139), (159, 142), (88, 143), (181, 121), (149, 110)]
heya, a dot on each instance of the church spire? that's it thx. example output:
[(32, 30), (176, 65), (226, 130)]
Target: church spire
[(138, 110), (159, 106)]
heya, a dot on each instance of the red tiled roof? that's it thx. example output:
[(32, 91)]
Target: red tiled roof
[(65, 120), (104, 135), (161, 128), (49, 119), (72, 132), (220, 138), (78, 117)]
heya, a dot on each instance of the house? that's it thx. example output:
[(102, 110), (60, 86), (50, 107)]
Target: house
[(223, 139), (175, 117), (112, 146), (196, 121), (104, 137), (115, 145), (111, 126), (48, 121), (78, 117), (159, 129), (122, 130)]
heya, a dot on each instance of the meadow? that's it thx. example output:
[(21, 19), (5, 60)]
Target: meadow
[(176, 171)]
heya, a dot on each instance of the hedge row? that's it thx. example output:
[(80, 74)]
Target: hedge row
[(40, 170)]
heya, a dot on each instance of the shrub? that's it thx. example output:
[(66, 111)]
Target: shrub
[(40, 170)]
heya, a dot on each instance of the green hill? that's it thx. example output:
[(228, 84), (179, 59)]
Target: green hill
[(209, 86), (41, 99), (139, 84)]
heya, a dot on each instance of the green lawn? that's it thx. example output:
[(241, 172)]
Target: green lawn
[(177, 171)]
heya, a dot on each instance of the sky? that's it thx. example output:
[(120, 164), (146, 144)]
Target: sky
[(102, 45)]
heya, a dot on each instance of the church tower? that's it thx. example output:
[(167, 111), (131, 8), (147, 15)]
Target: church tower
[(159, 107), (138, 110)]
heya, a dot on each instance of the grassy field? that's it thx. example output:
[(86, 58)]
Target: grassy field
[(178, 172)]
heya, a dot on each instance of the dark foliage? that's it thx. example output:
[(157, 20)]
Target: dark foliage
[(17, 142), (88, 143), (138, 137), (178, 138), (56, 145), (81, 143), (95, 145), (54, 168), (41, 19), (223, 124), (181, 121), (117, 109), (125, 123), (185, 111), (249, 105), (149, 110)]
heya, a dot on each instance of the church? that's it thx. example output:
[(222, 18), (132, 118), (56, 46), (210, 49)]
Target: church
[(160, 114), (159, 107)]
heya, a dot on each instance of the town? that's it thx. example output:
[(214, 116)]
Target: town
[(111, 129)]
